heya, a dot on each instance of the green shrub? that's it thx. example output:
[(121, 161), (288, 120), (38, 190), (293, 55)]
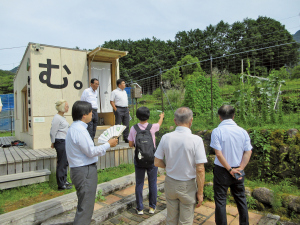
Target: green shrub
[(208, 192)]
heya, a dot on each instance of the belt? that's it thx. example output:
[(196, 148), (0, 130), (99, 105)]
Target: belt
[(95, 110), (121, 106), (93, 164)]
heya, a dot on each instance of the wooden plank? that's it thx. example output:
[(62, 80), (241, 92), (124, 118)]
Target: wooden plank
[(121, 156), (125, 156), (25, 159), (117, 155), (47, 158), (5, 141), (102, 164), (18, 160), (2, 157), (98, 163), (53, 158), (24, 182), (112, 158), (32, 159), (130, 155), (10, 162), (107, 160), (3, 162), (38, 163), (21, 176)]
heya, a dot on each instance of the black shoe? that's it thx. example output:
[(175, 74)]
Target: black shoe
[(65, 187), (68, 183)]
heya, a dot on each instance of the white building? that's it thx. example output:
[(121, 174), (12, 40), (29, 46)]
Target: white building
[(48, 74)]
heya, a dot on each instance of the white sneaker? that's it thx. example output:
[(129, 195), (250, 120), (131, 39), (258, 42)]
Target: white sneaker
[(151, 210), (139, 212)]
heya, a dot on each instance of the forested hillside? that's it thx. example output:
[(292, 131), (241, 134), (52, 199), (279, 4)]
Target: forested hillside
[(147, 56), (6, 82)]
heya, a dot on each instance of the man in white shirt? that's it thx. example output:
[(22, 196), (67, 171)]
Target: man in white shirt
[(91, 95), (119, 102), (185, 156), (82, 157), (232, 146)]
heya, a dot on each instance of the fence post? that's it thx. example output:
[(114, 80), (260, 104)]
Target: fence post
[(11, 122), (211, 91), (161, 88)]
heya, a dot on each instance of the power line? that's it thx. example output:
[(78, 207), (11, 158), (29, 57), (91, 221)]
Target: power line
[(12, 47)]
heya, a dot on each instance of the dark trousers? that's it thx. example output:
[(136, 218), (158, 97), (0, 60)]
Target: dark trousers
[(62, 162), (85, 180), (92, 126), (223, 180), (139, 184), (122, 116)]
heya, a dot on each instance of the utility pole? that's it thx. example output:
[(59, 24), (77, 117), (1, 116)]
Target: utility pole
[(211, 91), (161, 88)]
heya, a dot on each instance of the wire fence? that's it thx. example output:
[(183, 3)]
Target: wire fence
[(261, 88), (7, 122)]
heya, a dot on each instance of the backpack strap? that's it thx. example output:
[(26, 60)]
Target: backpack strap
[(136, 127), (149, 127)]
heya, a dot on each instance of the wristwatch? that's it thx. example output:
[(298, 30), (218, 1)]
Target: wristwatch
[(230, 170)]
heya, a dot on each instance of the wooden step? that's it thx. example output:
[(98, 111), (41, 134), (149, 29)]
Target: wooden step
[(23, 179)]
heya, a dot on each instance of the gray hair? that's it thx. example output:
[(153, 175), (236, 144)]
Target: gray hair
[(60, 105), (183, 115)]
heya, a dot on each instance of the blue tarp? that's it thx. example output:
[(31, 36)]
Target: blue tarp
[(128, 91), (6, 116)]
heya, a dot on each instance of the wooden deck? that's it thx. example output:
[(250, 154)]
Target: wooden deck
[(16, 159)]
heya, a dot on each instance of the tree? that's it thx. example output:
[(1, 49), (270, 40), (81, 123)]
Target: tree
[(6, 82), (177, 75)]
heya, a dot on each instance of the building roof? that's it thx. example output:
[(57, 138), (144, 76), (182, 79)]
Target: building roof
[(105, 54)]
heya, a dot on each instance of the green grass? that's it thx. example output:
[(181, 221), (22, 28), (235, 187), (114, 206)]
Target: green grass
[(16, 198), (5, 134)]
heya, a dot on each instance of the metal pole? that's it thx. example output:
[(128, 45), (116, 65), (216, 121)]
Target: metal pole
[(136, 104), (211, 90), (242, 71), (162, 94), (132, 102), (11, 116)]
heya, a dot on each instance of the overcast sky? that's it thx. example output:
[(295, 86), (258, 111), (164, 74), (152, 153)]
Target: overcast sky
[(88, 24)]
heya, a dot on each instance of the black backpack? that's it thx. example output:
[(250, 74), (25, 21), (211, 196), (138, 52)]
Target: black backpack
[(144, 147)]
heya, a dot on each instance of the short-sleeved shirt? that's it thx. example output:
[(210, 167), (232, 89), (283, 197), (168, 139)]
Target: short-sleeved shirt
[(120, 98), (182, 151), (91, 96), (232, 140), (153, 130)]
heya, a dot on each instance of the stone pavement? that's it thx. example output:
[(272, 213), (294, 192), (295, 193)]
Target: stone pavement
[(119, 208)]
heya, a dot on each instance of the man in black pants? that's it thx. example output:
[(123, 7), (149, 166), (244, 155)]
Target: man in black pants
[(82, 157), (119, 102), (91, 95), (232, 146)]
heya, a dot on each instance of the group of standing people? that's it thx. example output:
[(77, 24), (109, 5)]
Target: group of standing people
[(183, 156), (75, 144), (180, 152)]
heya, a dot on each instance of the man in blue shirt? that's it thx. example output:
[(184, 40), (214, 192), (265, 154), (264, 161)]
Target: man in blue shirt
[(82, 157), (232, 146)]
